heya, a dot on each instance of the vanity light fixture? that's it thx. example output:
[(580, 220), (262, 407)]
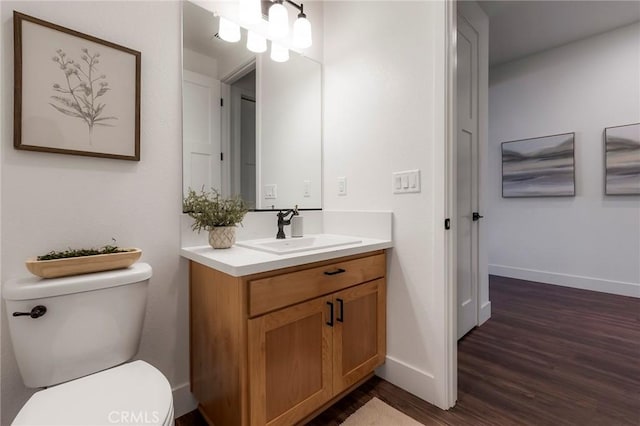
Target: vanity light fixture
[(302, 30), (277, 28), (229, 31), (279, 53), (279, 23), (256, 42), (278, 20)]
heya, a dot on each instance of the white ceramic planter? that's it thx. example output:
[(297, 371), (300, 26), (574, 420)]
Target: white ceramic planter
[(221, 237)]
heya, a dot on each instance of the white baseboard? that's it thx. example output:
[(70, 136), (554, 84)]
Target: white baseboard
[(485, 313), (183, 400), (575, 281), (420, 383)]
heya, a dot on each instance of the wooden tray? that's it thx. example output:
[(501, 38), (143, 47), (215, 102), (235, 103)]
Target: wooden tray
[(83, 265)]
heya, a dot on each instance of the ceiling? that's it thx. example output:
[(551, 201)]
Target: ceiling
[(521, 28)]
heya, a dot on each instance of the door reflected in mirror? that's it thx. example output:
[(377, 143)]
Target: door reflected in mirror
[(251, 126)]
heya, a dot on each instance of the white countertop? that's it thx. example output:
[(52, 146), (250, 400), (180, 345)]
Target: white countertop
[(239, 261)]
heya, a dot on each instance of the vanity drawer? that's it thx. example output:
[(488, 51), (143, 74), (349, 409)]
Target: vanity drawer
[(279, 291)]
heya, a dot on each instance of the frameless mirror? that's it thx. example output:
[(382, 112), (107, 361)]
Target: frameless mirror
[(251, 126)]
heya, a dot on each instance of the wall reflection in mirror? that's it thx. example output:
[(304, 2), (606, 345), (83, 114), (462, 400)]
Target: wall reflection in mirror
[(251, 126)]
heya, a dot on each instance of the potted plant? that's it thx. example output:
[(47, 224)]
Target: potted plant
[(214, 213)]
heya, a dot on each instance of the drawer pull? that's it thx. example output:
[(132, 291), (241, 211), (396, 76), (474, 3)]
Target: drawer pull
[(340, 317), (330, 322), (336, 272)]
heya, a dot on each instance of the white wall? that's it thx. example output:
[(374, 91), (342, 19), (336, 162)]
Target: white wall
[(591, 240), (384, 112), (55, 201), (199, 63)]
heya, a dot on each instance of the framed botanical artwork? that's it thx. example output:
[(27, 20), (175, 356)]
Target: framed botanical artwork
[(74, 93), (622, 160), (539, 167)]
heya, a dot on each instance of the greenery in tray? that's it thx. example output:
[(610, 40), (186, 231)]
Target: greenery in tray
[(210, 209), (108, 249)]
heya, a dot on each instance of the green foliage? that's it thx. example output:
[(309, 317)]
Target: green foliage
[(210, 209), (81, 252)]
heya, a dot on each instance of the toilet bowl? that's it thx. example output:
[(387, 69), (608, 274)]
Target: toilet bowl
[(135, 393), (78, 345)]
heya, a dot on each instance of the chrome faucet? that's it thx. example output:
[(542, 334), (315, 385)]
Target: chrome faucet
[(283, 220)]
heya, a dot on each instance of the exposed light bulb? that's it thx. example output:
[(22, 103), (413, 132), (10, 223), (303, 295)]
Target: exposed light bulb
[(229, 31), (278, 21), (302, 32), (256, 42), (279, 53), (250, 11)]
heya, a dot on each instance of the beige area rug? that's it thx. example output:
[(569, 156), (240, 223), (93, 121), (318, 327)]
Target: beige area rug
[(377, 413)]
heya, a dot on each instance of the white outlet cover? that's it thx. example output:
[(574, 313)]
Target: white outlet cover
[(270, 192), (307, 185)]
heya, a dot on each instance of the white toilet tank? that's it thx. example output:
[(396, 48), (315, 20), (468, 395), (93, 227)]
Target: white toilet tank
[(92, 322)]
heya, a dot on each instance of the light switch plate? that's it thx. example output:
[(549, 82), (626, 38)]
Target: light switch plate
[(342, 185), (405, 182)]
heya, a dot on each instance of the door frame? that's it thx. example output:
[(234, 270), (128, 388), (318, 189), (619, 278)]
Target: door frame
[(476, 17), (451, 258)]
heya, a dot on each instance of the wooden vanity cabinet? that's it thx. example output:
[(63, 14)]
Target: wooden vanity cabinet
[(290, 363), (277, 347), (359, 336)]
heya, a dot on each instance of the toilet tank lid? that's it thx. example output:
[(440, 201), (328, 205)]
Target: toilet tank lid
[(36, 288)]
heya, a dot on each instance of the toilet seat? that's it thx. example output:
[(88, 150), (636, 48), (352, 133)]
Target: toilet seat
[(135, 393)]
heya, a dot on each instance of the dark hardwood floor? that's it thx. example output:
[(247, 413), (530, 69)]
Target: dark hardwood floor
[(549, 355)]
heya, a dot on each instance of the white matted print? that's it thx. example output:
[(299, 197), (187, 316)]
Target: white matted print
[(75, 94), (622, 160)]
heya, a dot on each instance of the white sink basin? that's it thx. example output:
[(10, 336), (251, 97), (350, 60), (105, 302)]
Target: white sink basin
[(294, 245)]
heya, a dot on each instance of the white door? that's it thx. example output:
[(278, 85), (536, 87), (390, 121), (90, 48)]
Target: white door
[(201, 132), (467, 176)]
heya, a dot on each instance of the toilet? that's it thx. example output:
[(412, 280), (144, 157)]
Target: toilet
[(76, 336)]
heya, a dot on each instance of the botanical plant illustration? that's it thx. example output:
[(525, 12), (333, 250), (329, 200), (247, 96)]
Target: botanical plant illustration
[(80, 93)]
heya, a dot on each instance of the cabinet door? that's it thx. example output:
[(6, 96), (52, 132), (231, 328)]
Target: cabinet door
[(290, 356), (359, 336)]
